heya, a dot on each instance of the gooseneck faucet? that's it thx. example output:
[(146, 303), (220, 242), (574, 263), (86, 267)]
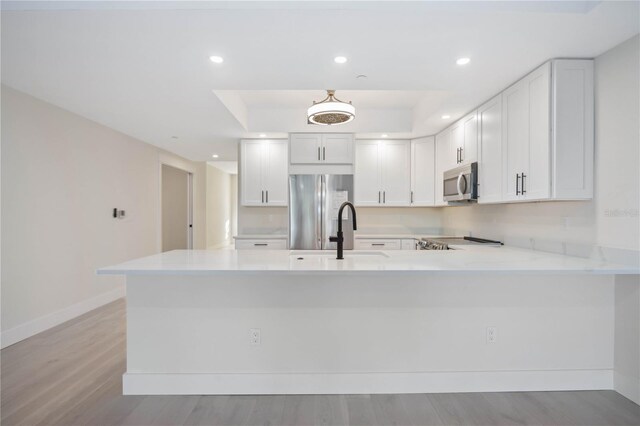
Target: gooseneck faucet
[(340, 237)]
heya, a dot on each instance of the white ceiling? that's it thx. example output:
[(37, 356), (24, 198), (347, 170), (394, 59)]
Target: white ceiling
[(142, 67)]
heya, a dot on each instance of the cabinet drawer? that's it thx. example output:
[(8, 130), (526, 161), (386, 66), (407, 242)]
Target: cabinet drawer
[(381, 244), (408, 244), (258, 244)]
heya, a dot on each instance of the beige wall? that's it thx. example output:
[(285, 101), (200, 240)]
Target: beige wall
[(221, 210), (62, 175), (611, 220)]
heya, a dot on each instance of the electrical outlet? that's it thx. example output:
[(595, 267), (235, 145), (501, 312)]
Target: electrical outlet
[(492, 334), (254, 336)]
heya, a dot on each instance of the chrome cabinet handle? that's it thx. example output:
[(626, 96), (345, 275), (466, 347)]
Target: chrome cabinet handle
[(517, 184), (457, 155), (378, 197), (260, 244), (523, 187), (461, 154), (411, 197), (262, 192), (318, 153), (384, 197), (267, 197), (324, 153)]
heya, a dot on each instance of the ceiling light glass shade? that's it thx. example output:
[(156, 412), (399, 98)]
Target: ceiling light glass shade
[(331, 111)]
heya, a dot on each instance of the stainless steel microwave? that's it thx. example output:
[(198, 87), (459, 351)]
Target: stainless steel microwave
[(461, 183)]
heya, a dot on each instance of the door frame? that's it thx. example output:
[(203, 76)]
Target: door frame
[(176, 163)]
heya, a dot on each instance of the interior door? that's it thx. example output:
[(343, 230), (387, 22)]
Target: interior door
[(176, 209)]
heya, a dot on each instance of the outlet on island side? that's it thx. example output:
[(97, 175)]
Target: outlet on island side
[(492, 334), (254, 336)]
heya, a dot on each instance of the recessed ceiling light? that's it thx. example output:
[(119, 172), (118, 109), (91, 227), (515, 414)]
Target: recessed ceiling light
[(444, 117), (215, 155), (385, 135), (340, 59), (463, 61), (262, 135), (216, 59)]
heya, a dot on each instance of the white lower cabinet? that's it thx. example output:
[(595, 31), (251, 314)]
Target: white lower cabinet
[(261, 244), (378, 244), (385, 244)]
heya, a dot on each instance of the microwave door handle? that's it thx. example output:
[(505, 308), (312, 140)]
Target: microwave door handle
[(460, 177)]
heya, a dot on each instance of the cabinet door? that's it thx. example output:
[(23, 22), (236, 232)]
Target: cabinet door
[(305, 148), (337, 148), (423, 171), (275, 175), (469, 152), (367, 191), (443, 162), (515, 138), (537, 183), (396, 173), (457, 142), (251, 170), (490, 151)]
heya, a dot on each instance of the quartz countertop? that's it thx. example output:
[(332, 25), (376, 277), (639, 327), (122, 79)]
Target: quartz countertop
[(463, 260)]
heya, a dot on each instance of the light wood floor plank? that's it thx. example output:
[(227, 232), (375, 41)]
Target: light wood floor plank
[(71, 375)]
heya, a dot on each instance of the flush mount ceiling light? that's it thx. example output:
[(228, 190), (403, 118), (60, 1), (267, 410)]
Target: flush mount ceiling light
[(330, 111)]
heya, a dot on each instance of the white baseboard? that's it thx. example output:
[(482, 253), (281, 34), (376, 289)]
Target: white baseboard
[(626, 386), (365, 383), (38, 325)]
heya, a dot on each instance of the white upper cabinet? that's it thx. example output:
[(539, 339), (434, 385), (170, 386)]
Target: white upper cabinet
[(464, 139), (263, 172), (548, 133), (383, 173), (321, 148), (490, 151), (444, 161), (572, 139), (423, 171), (367, 173)]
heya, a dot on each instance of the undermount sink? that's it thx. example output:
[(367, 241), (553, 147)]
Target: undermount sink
[(332, 253)]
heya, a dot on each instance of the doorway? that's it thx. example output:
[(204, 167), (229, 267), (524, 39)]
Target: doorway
[(177, 211)]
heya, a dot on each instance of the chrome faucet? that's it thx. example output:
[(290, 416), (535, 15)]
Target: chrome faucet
[(340, 237)]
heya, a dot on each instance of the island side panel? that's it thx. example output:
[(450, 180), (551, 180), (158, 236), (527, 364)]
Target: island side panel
[(368, 334)]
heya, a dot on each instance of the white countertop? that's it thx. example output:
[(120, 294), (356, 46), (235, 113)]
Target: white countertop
[(464, 260)]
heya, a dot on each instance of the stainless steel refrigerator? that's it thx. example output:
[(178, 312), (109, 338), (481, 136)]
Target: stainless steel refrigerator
[(313, 211)]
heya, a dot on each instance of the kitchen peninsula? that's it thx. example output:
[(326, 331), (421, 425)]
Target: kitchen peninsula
[(296, 322)]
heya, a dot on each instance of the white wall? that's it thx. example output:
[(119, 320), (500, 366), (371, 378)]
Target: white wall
[(611, 219), (220, 208), (61, 177)]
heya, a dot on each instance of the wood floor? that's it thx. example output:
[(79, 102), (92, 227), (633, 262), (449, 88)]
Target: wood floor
[(72, 375)]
